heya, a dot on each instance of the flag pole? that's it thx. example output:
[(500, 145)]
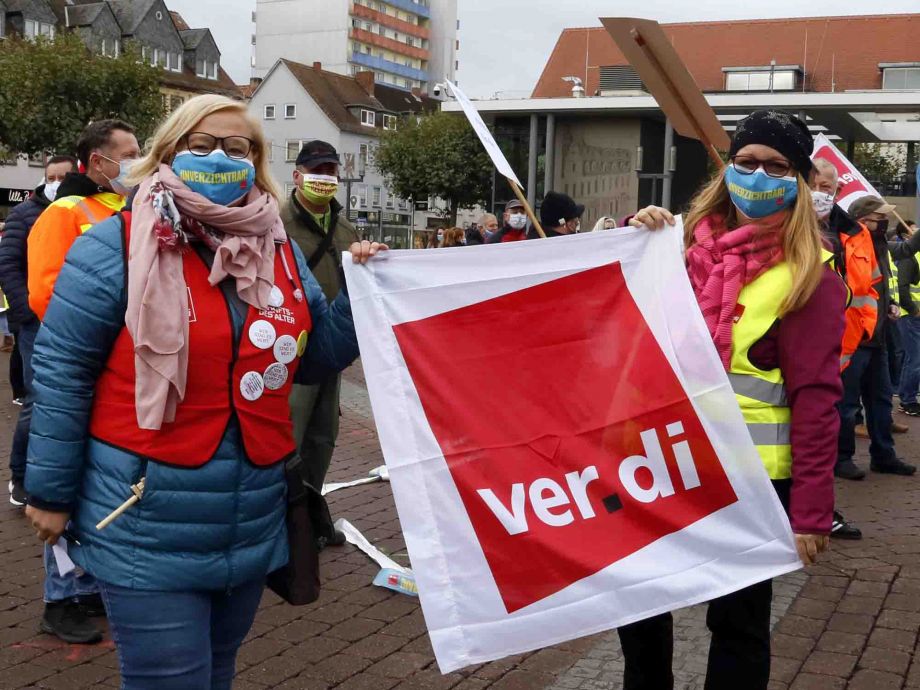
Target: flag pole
[(530, 214)]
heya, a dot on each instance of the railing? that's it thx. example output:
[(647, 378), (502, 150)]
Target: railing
[(388, 66)]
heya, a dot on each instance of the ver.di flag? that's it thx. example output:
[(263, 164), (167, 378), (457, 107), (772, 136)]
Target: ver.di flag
[(564, 447)]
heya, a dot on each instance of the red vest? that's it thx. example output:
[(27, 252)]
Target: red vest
[(253, 384)]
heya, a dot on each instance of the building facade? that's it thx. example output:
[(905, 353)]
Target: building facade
[(854, 79), (297, 103), (406, 44), (189, 58)]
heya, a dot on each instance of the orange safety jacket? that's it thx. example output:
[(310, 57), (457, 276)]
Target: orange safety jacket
[(53, 234), (862, 274)]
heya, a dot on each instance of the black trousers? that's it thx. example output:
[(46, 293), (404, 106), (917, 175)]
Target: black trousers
[(739, 653)]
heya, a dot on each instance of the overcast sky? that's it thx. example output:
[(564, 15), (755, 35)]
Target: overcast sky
[(504, 45)]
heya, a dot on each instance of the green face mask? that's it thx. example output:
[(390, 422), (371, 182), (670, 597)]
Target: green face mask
[(319, 189)]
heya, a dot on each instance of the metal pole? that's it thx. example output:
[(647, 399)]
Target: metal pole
[(666, 180), (532, 161), (549, 160)]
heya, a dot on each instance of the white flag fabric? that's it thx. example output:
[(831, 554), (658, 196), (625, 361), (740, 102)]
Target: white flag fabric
[(853, 185), (564, 447)]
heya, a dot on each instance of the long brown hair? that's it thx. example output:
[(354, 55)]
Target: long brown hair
[(452, 237), (801, 235)]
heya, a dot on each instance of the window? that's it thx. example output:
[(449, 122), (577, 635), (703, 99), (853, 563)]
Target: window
[(292, 148), (31, 28), (389, 122), (174, 62), (117, 48), (268, 112), (46, 30), (362, 195), (175, 102), (761, 80), (103, 46), (377, 192), (201, 67), (37, 160), (403, 205), (410, 41), (391, 201), (144, 52), (214, 67), (901, 78), (363, 157), (155, 57), (290, 111), (368, 118), (288, 188)]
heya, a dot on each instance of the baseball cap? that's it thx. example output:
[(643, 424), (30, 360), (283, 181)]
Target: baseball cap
[(514, 203), (316, 152), (863, 206)]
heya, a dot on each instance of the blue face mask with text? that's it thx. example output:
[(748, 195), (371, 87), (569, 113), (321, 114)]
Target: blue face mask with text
[(216, 176), (758, 195)]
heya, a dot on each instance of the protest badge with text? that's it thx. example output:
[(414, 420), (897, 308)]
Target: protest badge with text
[(564, 447)]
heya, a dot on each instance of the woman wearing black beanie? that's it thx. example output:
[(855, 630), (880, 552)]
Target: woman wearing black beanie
[(776, 315)]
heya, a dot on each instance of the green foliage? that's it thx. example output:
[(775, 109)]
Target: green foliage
[(438, 155), (51, 89), (879, 162)]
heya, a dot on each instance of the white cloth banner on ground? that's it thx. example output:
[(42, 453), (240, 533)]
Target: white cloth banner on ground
[(853, 185), (564, 447)]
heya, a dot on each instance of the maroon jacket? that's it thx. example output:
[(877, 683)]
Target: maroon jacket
[(805, 345)]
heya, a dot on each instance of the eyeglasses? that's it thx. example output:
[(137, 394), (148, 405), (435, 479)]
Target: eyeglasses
[(748, 166), (202, 143)]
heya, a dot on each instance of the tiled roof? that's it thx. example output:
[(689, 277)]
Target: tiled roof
[(130, 13), (335, 93), (192, 37), (843, 51), (83, 15)]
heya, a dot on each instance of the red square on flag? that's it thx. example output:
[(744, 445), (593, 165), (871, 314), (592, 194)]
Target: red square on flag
[(567, 433)]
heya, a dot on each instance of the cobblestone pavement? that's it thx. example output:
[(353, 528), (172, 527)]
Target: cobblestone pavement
[(849, 623)]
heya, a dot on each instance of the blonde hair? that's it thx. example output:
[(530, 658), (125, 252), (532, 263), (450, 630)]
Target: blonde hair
[(162, 146), (801, 235)]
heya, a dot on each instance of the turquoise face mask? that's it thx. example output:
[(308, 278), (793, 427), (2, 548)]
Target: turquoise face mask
[(216, 176), (758, 195)]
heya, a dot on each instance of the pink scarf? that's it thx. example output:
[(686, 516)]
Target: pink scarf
[(157, 316), (722, 262)]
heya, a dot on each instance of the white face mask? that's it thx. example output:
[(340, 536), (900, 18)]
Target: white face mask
[(517, 221), (823, 202), (51, 189)]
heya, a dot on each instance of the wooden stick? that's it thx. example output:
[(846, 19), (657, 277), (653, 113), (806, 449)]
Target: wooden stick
[(520, 195), (675, 92), (138, 491)]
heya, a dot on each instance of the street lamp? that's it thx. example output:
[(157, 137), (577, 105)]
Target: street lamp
[(350, 178)]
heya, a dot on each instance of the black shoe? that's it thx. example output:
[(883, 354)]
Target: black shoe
[(896, 466), (848, 470), (66, 620), (18, 496), (841, 529), (92, 605), (910, 409)]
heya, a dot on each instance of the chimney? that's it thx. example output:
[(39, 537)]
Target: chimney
[(318, 66), (366, 80)]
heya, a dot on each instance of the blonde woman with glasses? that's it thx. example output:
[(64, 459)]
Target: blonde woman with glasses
[(162, 371)]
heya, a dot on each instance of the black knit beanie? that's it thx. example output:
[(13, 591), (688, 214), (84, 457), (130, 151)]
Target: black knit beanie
[(779, 130)]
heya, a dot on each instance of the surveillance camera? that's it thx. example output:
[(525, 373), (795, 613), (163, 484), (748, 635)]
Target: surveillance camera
[(437, 90)]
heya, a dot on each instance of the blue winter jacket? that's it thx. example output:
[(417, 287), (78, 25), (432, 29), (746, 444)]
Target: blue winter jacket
[(209, 528)]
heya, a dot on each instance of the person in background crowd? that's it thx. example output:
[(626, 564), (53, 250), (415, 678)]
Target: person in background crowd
[(106, 148), (908, 282), (315, 220), (604, 223), (824, 184), (14, 279), (559, 215), (514, 224), (192, 314), (452, 237), (480, 234), (752, 238), (867, 378)]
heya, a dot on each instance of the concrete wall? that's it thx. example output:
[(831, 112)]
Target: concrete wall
[(907, 207), (595, 162), (303, 31)]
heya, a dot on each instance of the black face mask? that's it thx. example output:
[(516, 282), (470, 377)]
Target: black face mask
[(881, 227)]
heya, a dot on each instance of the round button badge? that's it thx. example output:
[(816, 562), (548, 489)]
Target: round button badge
[(252, 386), (302, 343), (262, 334), (276, 298), (275, 376), (285, 349)]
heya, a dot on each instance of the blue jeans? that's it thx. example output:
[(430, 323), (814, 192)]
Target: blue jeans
[(910, 367), (179, 640), (26, 343), (60, 587), (868, 377)]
